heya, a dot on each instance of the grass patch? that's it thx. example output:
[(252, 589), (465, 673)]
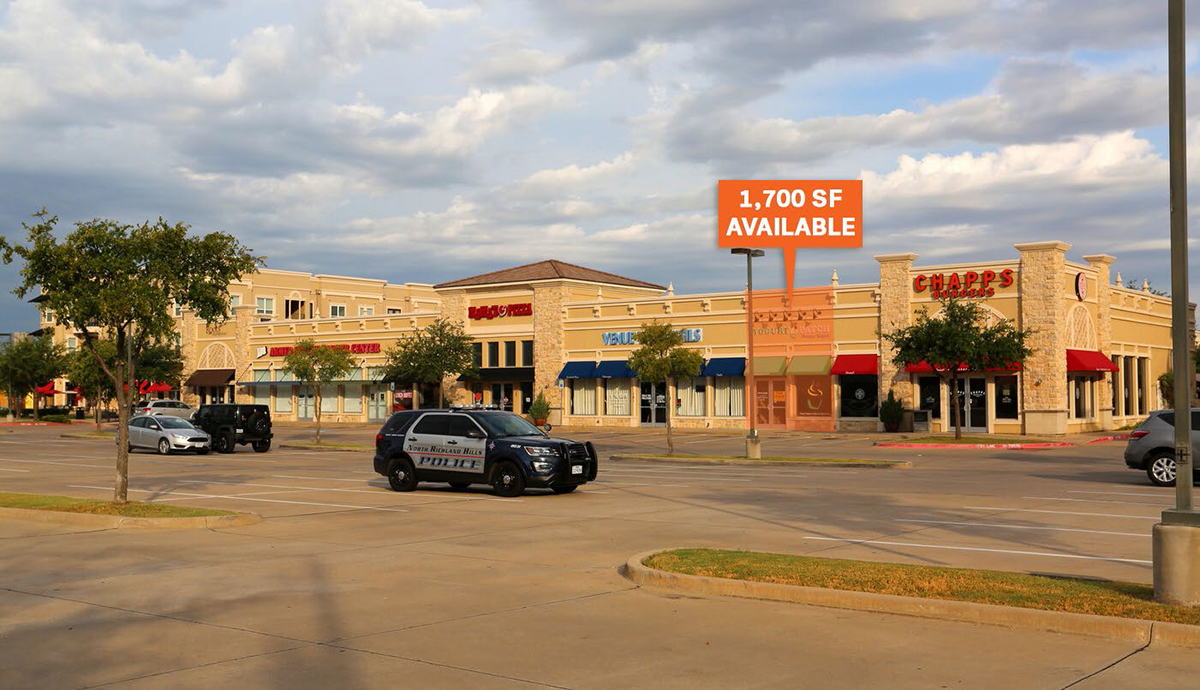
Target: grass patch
[(66, 504), (96, 434), (1123, 599), (967, 440)]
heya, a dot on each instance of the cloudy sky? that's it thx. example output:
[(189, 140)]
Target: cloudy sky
[(429, 141)]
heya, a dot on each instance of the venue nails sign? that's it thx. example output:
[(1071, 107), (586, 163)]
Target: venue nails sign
[(789, 214)]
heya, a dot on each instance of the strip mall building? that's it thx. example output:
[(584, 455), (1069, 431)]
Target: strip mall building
[(565, 330)]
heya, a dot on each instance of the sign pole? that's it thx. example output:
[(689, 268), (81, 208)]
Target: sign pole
[(753, 444), (1177, 537)]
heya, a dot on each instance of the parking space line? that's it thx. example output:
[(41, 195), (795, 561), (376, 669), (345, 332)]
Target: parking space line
[(1062, 512), (1046, 554), (319, 479), (51, 462), (1051, 529), (261, 500), (625, 484), (1117, 493), (677, 476), (1093, 500), (281, 486), (5, 469)]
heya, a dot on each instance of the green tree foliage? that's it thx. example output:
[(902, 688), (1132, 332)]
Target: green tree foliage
[(118, 281), (662, 357), (430, 355), (27, 363), (958, 340), (318, 365), (159, 364)]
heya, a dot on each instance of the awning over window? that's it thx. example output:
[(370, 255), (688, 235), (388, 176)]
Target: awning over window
[(724, 366), (848, 365), (209, 377), (613, 370), (924, 367), (769, 366), (578, 370), (809, 364), (1089, 360)]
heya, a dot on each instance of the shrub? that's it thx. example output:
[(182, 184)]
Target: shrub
[(891, 411), (540, 409), (56, 418)]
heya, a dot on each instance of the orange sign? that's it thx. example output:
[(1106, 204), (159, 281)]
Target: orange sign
[(789, 214)]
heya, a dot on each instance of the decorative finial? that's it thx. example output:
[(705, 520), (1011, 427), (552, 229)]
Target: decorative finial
[(1119, 281), (834, 280), (1145, 285), (670, 289), (599, 292)]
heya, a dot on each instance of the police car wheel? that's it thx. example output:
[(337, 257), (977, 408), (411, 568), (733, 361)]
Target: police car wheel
[(459, 486), (564, 489), (507, 480), (402, 476)]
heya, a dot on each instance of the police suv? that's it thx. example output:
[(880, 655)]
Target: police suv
[(479, 446)]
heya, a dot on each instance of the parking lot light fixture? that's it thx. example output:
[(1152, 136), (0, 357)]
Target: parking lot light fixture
[(753, 444)]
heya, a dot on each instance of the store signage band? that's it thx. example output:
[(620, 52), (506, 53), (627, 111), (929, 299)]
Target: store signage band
[(967, 284), (690, 335), (355, 348), (499, 311)]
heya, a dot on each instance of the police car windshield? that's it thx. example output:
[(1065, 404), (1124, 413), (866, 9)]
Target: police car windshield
[(498, 425)]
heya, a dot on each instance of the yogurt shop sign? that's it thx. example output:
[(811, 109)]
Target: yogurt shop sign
[(690, 335)]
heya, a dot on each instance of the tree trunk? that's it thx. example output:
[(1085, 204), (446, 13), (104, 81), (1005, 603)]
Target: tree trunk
[(36, 399), (121, 488), (954, 407), (670, 405), (96, 405), (317, 412)]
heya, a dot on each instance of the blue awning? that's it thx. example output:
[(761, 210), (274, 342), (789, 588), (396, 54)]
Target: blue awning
[(724, 366), (614, 370), (578, 370)]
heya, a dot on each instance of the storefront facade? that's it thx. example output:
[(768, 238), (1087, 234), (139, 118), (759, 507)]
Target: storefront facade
[(820, 364)]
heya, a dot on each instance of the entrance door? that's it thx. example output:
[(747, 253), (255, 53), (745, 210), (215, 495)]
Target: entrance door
[(770, 401), (502, 396), (377, 403), (654, 404), (304, 402), (972, 403)]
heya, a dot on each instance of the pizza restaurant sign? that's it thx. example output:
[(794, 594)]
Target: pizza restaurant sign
[(499, 311), (966, 284), (355, 348)]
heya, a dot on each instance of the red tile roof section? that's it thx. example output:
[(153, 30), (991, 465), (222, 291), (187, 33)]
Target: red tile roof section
[(547, 270)]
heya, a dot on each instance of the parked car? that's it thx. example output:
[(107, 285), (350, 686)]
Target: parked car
[(236, 425), (173, 408), (165, 434), (477, 446), (1151, 446)]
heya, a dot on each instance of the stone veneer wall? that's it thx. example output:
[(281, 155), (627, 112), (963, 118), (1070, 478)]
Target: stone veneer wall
[(1043, 309), (895, 312), (454, 308), (548, 358), (1103, 265)]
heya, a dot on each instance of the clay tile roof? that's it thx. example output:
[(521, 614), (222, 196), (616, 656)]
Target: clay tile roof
[(547, 270)]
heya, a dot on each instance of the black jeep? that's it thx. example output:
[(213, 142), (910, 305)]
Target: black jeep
[(233, 425)]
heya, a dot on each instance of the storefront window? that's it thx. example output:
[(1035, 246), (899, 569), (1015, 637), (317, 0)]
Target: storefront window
[(262, 393), (1142, 388), (1116, 391), (477, 355), (729, 396), (329, 399), (931, 395), (352, 402), (493, 358), (616, 397), (583, 396), (1081, 398), (526, 353), (1127, 375), (690, 394), (510, 353), (860, 395), (1006, 397)]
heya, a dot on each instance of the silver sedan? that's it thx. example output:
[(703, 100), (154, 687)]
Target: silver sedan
[(165, 434)]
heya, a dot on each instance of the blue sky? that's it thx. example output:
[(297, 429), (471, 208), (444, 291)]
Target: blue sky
[(428, 141)]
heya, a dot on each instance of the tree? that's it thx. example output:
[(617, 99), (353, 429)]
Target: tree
[(118, 281), (28, 363), (662, 357), (957, 340), (430, 355), (159, 364), (317, 365)]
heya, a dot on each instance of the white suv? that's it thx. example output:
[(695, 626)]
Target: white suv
[(172, 408)]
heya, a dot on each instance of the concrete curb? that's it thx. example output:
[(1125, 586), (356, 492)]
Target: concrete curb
[(293, 446), (88, 438), (882, 464), (118, 522), (979, 446), (1105, 439), (1122, 629)]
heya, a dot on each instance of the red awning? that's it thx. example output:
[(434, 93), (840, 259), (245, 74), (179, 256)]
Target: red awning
[(924, 367), (846, 365), (1089, 360), (47, 389)]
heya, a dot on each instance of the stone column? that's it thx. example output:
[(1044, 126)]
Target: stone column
[(1103, 265), (895, 312), (454, 308), (1043, 309), (548, 356)]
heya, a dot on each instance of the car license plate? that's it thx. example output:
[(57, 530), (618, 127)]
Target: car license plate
[(238, 430), (576, 469)]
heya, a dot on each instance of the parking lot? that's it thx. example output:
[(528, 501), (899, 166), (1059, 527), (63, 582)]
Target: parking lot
[(347, 580)]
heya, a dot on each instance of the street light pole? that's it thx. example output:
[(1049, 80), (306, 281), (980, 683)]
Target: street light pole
[(753, 443), (1177, 537)]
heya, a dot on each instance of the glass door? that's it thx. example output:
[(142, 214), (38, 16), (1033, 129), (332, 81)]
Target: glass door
[(377, 403), (653, 406), (770, 401), (502, 396), (978, 415), (304, 402)]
